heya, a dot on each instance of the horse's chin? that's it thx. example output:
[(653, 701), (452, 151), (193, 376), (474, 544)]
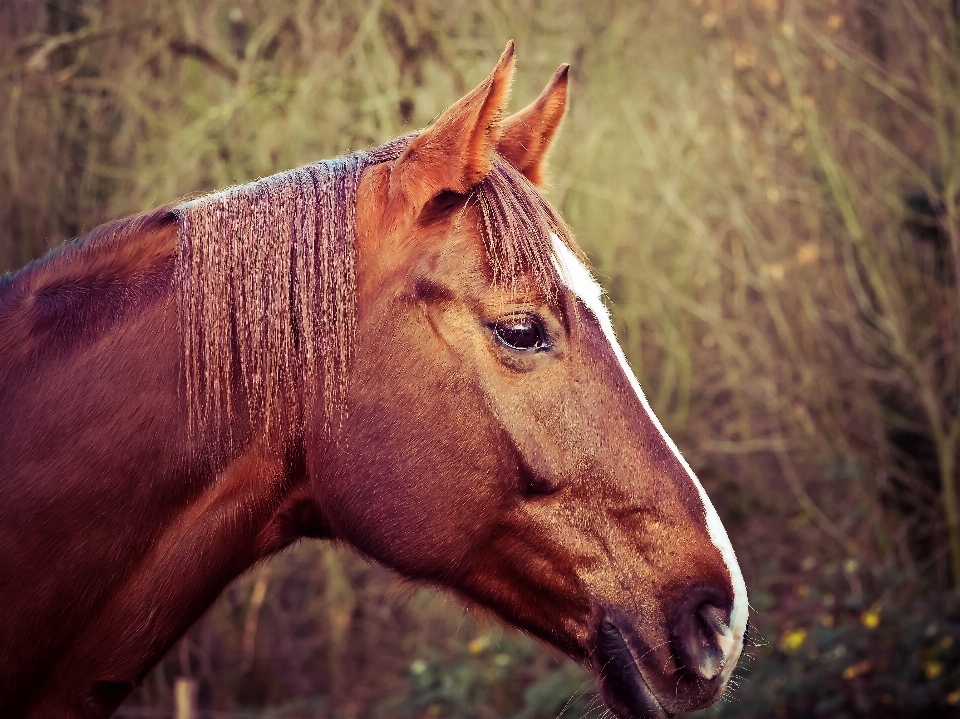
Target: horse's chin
[(625, 691)]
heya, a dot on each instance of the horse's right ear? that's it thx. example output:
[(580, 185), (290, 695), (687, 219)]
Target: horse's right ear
[(526, 135), (456, 152)]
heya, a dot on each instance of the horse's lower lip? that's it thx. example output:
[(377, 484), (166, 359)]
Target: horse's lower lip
[(625, 691)]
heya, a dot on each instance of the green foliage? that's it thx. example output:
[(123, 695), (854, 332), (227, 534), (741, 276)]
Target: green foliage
[(845, 659), (497, 675)]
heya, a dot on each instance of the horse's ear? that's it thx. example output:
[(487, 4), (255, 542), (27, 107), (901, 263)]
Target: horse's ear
[(525, 136), (456, 152)]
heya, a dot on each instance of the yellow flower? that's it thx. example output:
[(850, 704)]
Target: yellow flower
[(858, 669), (871, 618), (479, 644), (794, 639)]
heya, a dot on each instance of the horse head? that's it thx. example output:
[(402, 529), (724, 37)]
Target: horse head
[(495, 440)]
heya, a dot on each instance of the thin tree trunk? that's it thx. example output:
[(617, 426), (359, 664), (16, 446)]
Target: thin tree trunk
[(185, 698), (951, 510), (257, 595)]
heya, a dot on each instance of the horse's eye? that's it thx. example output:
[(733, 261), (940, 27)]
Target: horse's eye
[(522, 333)]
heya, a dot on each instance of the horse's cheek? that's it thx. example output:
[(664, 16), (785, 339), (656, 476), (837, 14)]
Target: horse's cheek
[(417, 463)]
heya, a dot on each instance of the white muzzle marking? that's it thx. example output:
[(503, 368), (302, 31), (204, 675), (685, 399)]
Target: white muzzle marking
[(579, 281)]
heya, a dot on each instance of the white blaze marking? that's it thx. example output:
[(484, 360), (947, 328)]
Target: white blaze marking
[(581, 283)]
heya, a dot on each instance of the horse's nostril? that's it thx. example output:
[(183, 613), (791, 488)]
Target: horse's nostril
[(713, 618), (698, 636)]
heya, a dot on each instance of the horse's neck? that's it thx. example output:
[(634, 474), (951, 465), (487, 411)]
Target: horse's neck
[(117, 529)]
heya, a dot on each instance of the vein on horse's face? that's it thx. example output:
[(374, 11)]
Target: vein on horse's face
[(579, 280)]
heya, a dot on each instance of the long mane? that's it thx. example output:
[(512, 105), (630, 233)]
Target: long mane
[(266, 276)]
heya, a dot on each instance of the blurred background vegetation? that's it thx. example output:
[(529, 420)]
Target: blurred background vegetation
[(770, 191)]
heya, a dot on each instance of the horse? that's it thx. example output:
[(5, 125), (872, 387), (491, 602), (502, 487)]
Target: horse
[(402, 350)]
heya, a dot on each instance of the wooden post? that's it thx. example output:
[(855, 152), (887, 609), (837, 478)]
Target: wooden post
[(185, 698)]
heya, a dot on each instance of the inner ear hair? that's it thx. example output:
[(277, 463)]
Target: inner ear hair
[(457, 151), (441, 206)]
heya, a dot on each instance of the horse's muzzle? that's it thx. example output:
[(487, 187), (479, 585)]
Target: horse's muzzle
[(684, 673)]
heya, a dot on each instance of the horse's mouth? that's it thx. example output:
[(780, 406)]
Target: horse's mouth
[(625, 691)]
